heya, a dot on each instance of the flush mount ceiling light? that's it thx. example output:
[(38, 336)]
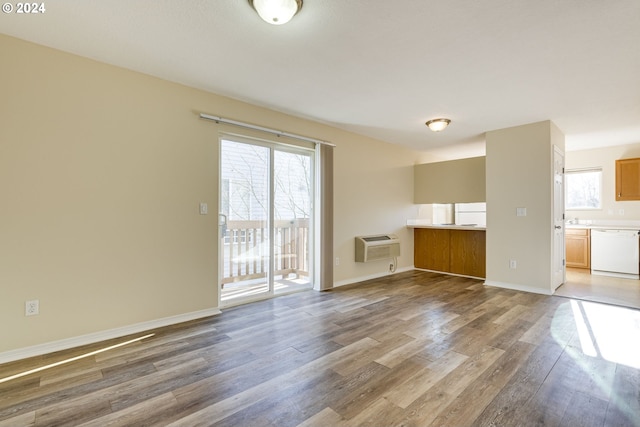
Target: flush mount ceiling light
[(437, 125), (276, 12)]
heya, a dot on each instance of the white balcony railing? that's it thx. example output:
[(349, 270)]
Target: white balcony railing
[(246, 246)]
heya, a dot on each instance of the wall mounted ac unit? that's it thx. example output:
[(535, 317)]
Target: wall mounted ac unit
[(380, 246)]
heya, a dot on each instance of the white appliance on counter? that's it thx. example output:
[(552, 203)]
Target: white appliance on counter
[(615, 252), (471, 213)]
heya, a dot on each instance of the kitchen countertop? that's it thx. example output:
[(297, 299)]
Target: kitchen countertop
[(627, 225), (420, 224), (603, 226)]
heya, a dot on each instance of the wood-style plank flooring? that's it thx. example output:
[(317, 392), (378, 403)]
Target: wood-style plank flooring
[(412, 349)]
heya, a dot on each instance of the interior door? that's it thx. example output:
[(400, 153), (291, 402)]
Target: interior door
[(559, 257)]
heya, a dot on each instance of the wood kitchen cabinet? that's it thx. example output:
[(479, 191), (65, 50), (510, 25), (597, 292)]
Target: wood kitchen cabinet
[(578, 247), (451, 251), (468, 250), (431, 248), (628, 179)]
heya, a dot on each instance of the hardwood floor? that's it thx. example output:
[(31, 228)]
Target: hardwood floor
[(412, 349)]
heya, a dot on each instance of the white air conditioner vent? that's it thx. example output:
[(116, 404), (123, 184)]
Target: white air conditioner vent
[(376, 247)]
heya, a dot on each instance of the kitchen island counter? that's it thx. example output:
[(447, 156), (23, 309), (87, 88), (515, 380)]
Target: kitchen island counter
[(459, 250), (418, 224)]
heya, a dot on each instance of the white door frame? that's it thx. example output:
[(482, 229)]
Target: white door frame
[(559, 252)]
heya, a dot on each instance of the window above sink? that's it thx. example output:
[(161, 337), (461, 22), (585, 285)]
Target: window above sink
[(583, 189)]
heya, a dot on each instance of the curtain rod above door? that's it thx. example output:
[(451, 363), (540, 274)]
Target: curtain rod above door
[(263, 129)]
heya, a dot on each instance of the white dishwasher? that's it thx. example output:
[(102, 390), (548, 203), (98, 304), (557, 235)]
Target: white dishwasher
[(615, 253)]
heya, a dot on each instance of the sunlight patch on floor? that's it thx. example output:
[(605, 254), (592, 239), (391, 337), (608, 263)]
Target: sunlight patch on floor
[(607, 331)]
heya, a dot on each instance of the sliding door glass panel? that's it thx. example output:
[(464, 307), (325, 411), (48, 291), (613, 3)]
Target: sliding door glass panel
[(293, 201), (245, 211)]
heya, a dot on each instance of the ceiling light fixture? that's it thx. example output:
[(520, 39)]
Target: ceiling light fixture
[(437, 125), (276, 12)]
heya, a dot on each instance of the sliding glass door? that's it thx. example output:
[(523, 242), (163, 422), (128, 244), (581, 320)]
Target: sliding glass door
[(266, 201), (292, 219)]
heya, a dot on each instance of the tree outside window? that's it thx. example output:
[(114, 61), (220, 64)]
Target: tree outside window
[(583, 189)]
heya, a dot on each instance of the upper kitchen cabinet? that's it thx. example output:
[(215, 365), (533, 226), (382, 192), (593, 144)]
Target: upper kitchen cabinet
[(452, 181), (628, 179)]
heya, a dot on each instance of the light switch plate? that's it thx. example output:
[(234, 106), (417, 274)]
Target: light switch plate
[(521, 211), (204, 209)]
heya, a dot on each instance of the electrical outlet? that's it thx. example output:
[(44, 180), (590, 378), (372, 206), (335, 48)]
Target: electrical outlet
[(32, 307), (337, 261), (513, 263)]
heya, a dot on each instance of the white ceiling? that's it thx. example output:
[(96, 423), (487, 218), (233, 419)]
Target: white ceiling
[(381, 68)]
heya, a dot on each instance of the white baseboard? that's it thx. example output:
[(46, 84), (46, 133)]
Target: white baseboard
[(65, 344), (516, 287), (370, 277), (450, 274)]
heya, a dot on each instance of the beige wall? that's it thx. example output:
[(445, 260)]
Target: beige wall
[(605, 158), (101, 173), (454, 181), (520, 174), (373, 195)]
